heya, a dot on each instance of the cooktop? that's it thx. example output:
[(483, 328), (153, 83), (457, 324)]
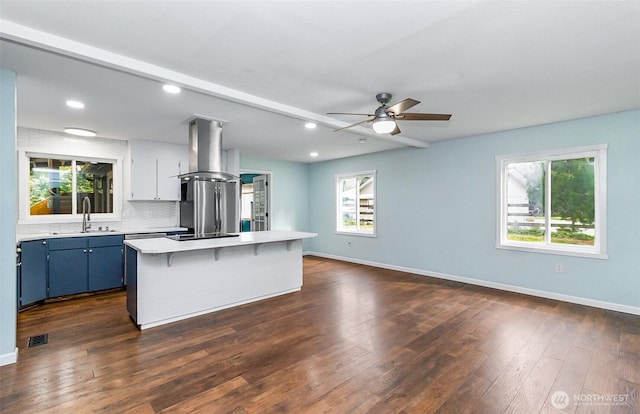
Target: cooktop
[(191, 236)]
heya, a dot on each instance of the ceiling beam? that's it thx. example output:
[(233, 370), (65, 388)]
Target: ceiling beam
[(84, 52)]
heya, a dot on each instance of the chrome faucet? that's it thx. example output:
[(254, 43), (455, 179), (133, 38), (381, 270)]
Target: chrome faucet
[(86, 214)]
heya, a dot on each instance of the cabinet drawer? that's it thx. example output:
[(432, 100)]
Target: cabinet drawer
[(100, 241), (68, 243)]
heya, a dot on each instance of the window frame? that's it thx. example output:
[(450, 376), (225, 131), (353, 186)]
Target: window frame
[(357, 232), (599, 249), (25, 216)]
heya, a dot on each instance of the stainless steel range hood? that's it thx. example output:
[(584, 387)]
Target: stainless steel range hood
[(209, 196), (205, 151)]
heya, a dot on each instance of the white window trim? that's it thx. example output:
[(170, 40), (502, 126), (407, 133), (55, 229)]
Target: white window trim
[(24, 215), (338, 177), (599, 250)]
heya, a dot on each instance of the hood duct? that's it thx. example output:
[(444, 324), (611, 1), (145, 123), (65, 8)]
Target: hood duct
[(209, 200), (205, 151)]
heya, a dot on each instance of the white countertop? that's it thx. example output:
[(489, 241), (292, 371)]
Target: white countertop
[(165, 245), (39, 236)]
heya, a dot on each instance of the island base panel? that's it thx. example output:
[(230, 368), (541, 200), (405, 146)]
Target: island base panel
[(202, 281)]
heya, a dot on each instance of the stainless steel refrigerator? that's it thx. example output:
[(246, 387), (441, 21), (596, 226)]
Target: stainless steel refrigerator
[(209, 206)]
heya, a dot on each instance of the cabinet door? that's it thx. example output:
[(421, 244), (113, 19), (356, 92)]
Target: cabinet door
[(154, 170), (232, 157), (172, 161), (33, 273), (105, 267), (143, 170), (67, 272)]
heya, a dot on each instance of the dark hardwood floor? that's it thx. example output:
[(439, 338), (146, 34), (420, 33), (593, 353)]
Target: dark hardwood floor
[(356, 339)]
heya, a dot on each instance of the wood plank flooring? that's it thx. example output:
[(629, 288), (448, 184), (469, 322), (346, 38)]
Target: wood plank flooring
[(356, 339)]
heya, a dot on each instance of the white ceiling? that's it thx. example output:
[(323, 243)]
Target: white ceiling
[(268, 66)]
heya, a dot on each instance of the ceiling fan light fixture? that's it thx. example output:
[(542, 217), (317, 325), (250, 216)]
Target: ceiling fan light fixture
[(384, 126)]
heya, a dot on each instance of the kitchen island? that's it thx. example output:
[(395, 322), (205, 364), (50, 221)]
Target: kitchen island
[(169, 280)]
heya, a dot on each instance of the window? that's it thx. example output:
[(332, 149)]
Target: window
[(58, 186), (356, 199), (554, 202)]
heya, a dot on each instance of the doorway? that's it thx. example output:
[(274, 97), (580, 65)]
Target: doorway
[(256, 201)]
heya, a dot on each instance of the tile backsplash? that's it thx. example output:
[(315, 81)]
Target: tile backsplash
[(134, 214)]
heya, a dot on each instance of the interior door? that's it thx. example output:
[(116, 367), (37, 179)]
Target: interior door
[(260, 216)]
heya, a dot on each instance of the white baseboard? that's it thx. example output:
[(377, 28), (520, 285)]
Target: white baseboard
[(10, 358), (494, 285)]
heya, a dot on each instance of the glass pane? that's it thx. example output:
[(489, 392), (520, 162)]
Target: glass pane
[(525, 201), (365, 203), (347, 204), (94, 180), (50, 186), (573, 201), (247, 201)]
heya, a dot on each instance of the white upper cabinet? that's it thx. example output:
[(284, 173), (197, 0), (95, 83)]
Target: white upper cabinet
[(155, 167), (231, 159)]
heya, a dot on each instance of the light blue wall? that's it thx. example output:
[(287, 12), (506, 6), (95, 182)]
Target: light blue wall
[(289, 191), (8, 183), (436, 211)]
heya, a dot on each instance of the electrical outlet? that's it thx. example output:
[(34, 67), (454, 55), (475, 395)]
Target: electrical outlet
[(349, 242), (559, 268)]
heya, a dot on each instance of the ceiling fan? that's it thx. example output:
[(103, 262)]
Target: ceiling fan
[(385, 117)]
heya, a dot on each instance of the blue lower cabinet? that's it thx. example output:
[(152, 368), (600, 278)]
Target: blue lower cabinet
[(68, 272), (32, 285), (105, 268), (106, 262), (85, 264)]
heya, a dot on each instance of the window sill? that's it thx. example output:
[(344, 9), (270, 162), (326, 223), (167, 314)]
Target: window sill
[(355, 233), (592, 254), (58, 219)]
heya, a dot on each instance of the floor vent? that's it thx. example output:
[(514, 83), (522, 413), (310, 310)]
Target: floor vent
[(38, 340)]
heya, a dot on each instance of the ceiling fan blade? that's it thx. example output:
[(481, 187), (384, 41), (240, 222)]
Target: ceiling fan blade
[(402, 106), (424, 117), (395, 131), (352, 125), (348, 113)]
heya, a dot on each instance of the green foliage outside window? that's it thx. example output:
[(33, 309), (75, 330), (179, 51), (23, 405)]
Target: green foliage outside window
[(572, 191), (51, 185), (572, 196)]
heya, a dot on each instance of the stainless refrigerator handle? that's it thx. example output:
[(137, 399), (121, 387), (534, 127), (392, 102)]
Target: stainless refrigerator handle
[(219, 206)]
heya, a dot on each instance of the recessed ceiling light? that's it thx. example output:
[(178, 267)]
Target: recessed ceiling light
[(171, 88), (80, 132), (75, 104), (314, 154), (310, 125)]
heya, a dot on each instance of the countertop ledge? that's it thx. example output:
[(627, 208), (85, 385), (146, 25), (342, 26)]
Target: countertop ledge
[(165, 245), (58, 235)]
